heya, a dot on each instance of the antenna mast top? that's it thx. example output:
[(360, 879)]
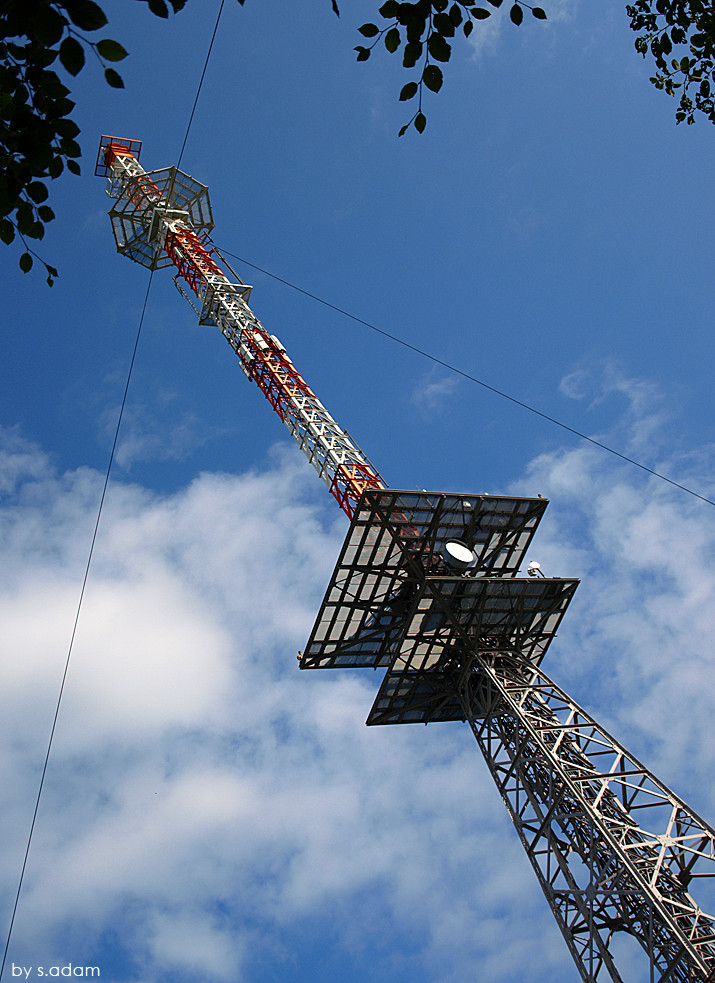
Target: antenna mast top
[(162, 218)]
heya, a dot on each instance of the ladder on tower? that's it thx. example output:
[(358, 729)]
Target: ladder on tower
[(427, 587)]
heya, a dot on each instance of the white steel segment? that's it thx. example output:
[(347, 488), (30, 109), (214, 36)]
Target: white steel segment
[(318, 435), (614, 849), (122, 168), (326, 445)]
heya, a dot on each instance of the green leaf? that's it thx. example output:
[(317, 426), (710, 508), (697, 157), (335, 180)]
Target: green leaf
[(37, 191), (67, 128), (403, 130), (420, 122), (455, 14), (53, 87), (439, 48), (48, 25), (7, 231), (468, 28), (70, 148), (43, 59), (408, 91), (72, 55), (74, 167), (362, 53), (24, 218), (539, 13), (495, 3), (432, 77), (51, 270), (87, 15), (516, 14), (389, 9), (392, 40), (416, 27), (443, 25), (113, 78), (480, 13), (111, 50), (369, 30), (45, 213), (159, 8), (62, 107), (26, 262), (413, 50), (36, 231)]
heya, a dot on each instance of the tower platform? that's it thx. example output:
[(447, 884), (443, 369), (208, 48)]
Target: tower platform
[(425, 579)]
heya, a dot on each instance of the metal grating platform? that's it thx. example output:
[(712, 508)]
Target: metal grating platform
[(394, 544), (395, 599), (143, 197), (510, 620)]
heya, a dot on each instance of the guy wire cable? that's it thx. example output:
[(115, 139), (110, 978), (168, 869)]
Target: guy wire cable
[(93, 542), (74, 630), (471, 378)]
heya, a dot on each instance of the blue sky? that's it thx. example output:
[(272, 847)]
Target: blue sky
[(210, 813)]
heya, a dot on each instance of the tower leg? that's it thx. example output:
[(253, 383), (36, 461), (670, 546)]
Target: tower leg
[(613, 848)]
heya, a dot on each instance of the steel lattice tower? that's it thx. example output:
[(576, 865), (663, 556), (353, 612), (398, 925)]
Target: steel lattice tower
[(427, 586)]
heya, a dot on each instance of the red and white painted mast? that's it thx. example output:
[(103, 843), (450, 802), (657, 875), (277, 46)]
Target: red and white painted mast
[(163, 218)]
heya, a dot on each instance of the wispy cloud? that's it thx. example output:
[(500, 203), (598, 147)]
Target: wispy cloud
[(206, 802), (642, 423), (216, 812), (644, 620), (489, 34), (156, 431), (431, 393)]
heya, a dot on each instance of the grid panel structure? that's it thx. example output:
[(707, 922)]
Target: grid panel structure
[(391, 570), (615, 851), (145, 200), (510, 619)]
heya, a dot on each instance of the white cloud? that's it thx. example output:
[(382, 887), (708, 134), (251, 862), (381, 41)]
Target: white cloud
[(487, 36), (156, 431), (638, 641), (432, 393), (641, 424), (211, 810)]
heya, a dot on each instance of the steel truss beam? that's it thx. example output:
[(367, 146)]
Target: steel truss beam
[(573, 793), (162, 218)]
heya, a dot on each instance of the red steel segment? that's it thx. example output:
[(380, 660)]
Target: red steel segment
[(348, 483), (191, 258), (338, 460), (271, 370)]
